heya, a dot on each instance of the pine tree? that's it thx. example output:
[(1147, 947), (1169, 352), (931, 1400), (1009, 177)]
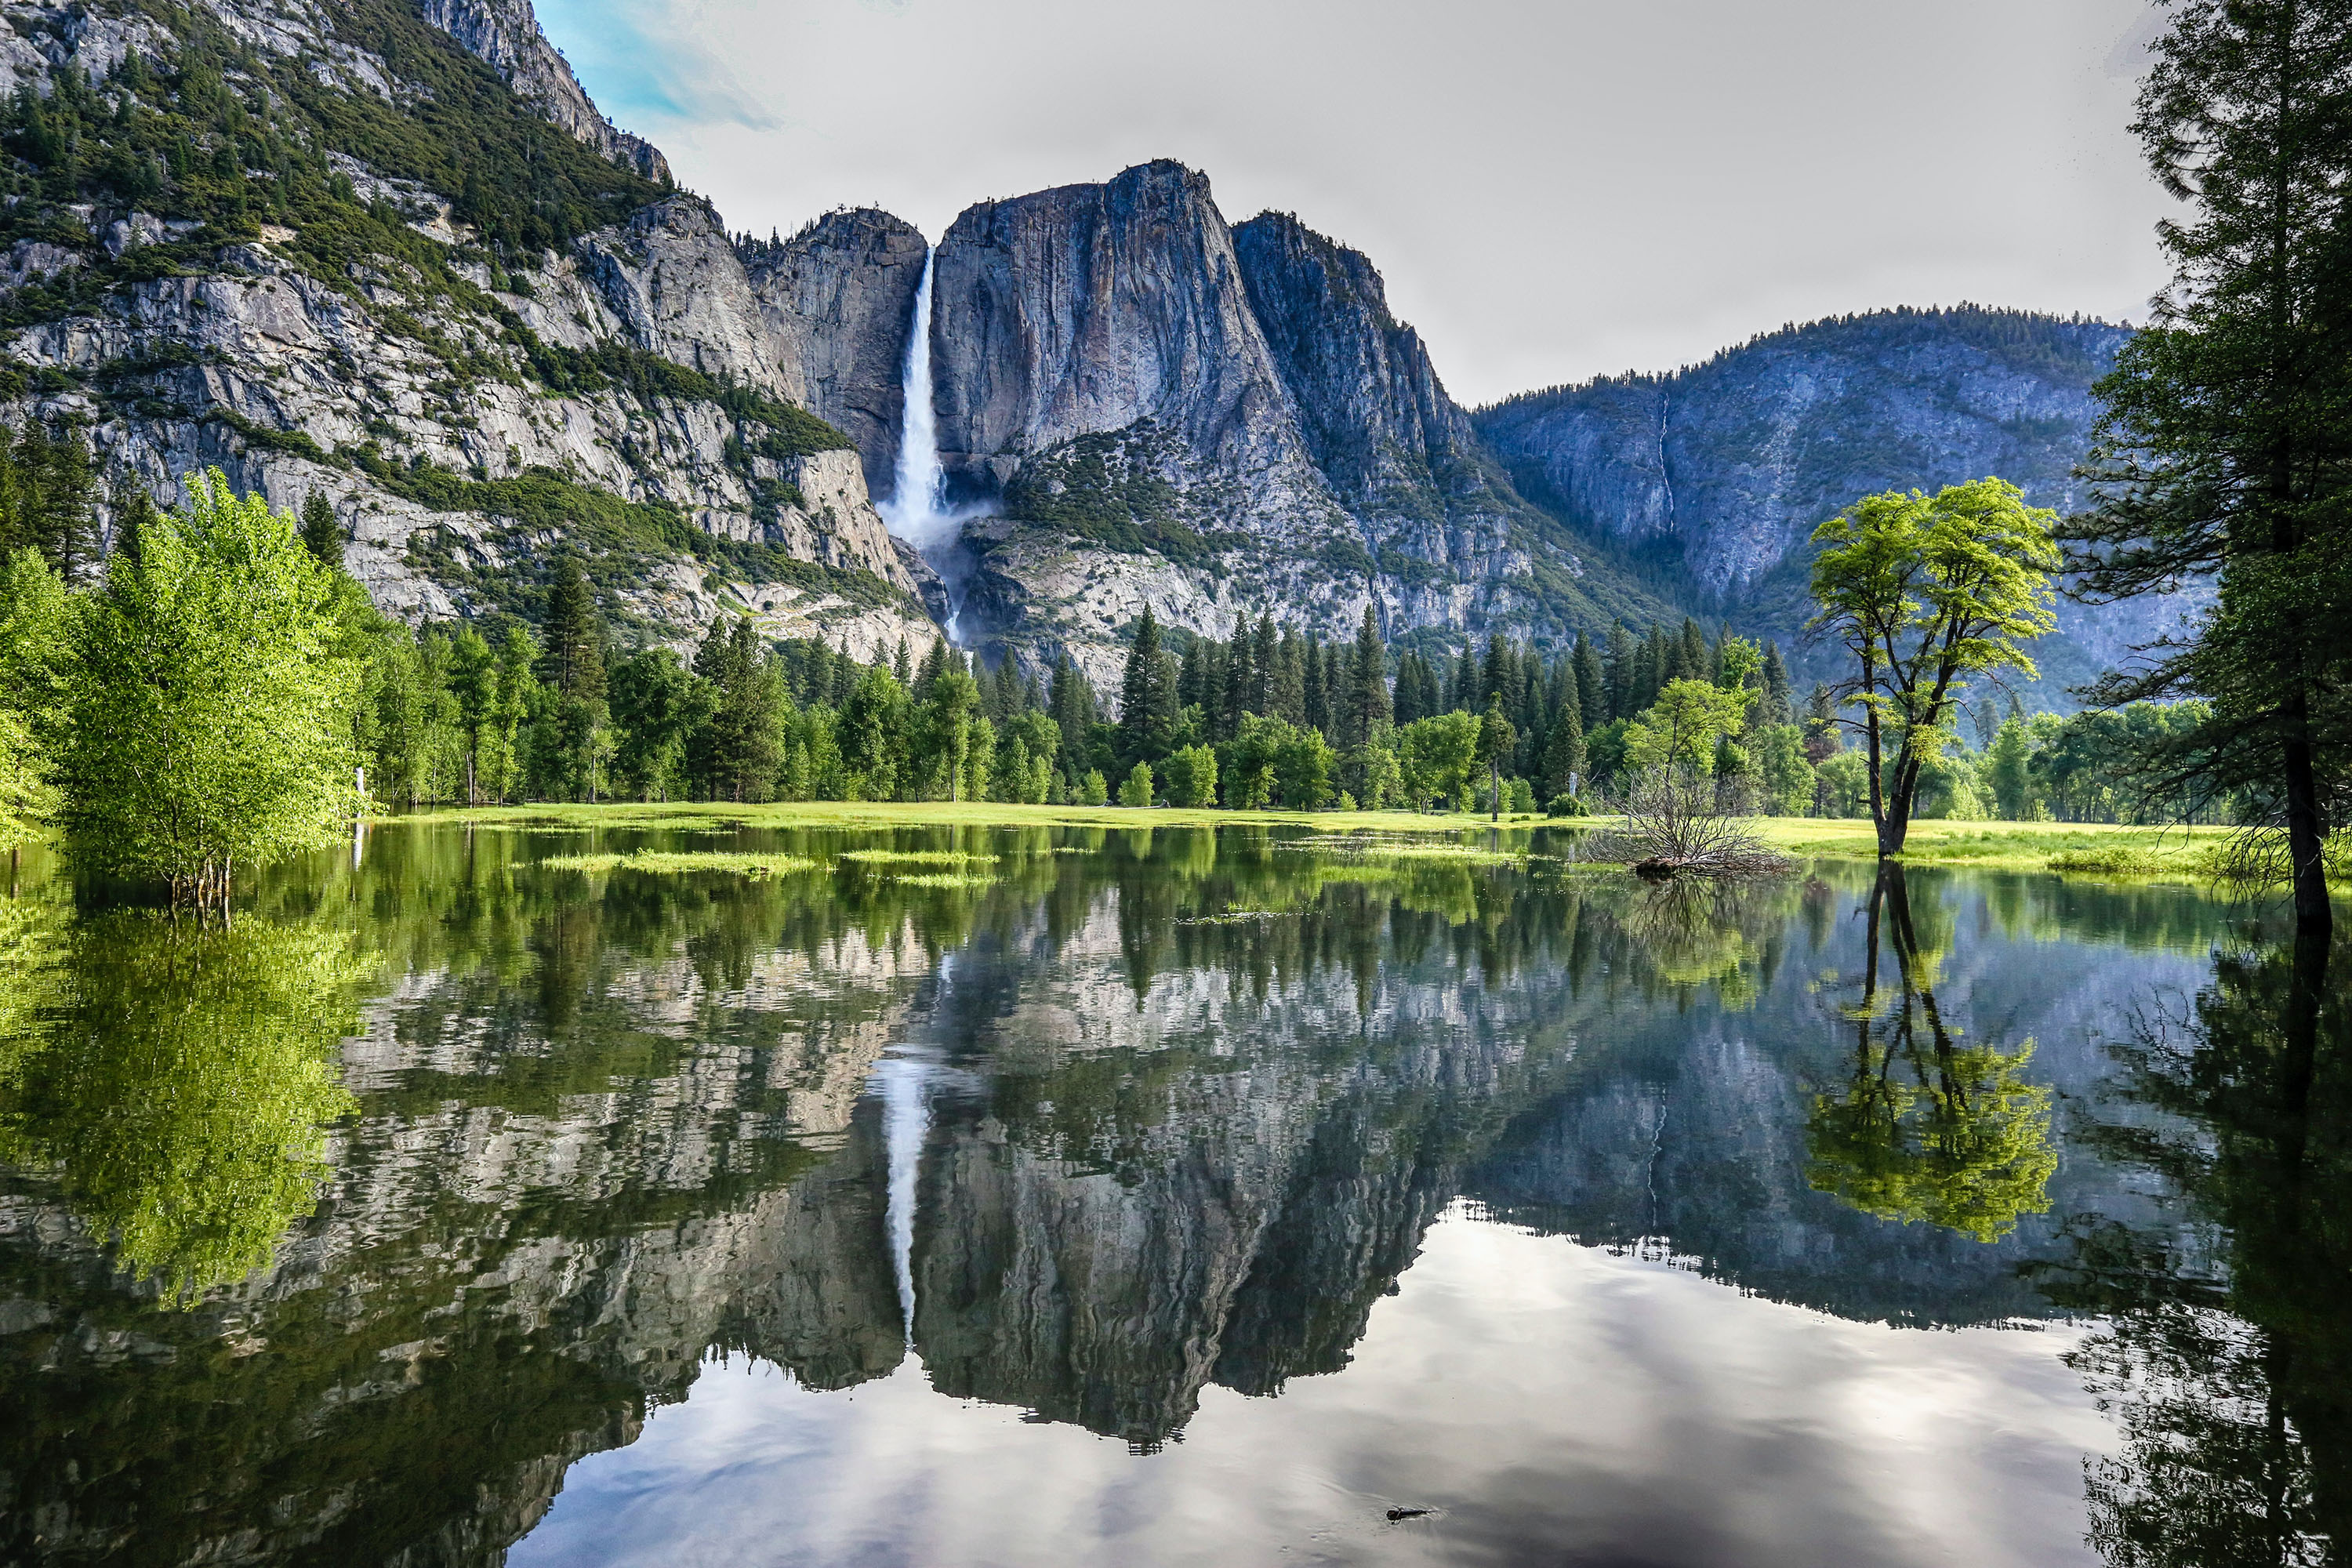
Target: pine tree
[(1778, 706), (135, 516), (1367, 711), (1147, 710), (1563, 756), (1591, 684), (1241, 682), (1264, 650), (1625, 679), (572, 640), (1319, 690), (2224, 452), (1287, 699), (323, 536)]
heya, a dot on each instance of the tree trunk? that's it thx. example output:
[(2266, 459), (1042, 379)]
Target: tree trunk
[(1495, 789), (2305, 833)]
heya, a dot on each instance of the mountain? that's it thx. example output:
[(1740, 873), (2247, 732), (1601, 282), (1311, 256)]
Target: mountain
[(1217, 421), (392, 255), (1715, 476)]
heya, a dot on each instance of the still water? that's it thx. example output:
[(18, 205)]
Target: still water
[(1248, 1195)]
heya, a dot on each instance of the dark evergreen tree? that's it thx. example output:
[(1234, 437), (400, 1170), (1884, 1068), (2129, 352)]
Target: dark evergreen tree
[(1778, 704), (1416, 689), (1241, 682), (1366, 710), (1563, 753), (571, 640), (1462, 693), (1147, 709), (1265, 649), (1591, 684), (2225, 451), (1287, 699), (1624, 676), (322, 535), (135, 514)]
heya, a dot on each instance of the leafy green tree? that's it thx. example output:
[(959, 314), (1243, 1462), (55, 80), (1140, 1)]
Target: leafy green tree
[(1435, 756), (1192, 776), (473, 685), (2224, 454), (872, 735), (947, 717), (518, 692), (2010, 765), (653, 707), (209, 702), (1302, 763), (185, 1094), (1137, 790), (1922, 593), (1788, 777), (1684, 728), (1928, 1128)]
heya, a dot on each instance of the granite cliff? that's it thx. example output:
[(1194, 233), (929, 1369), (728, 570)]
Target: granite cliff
[(1159, 408), (394, 255)]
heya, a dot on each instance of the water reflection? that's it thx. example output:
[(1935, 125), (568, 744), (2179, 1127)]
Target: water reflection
[(1927, 1128), (1101, 1129), (2230, 1337)]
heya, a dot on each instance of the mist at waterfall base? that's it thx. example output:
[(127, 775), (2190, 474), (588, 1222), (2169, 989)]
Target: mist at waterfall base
[(918, 509)]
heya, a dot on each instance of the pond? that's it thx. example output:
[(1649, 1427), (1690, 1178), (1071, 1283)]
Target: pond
[(682, 1192)]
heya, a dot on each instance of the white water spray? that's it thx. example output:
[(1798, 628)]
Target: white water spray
[(918, 509)]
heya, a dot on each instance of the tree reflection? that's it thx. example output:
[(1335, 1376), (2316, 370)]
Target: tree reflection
[(1927, 1128), (183, 1087), (2230, 1341)]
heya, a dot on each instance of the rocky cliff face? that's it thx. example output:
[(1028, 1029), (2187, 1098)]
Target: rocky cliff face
[(840, 298), (469, 409), (1218, 422)]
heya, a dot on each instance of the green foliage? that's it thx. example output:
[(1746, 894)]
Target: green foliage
[(1923, 594), (183, 1094), (1136, 789), (1434, 759), (209, 702), (1682, 729), (1108, 487), (1192, 776)]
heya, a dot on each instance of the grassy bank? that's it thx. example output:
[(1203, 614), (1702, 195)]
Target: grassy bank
[(2080, 849)]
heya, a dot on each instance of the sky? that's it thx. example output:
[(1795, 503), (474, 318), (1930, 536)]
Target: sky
[(1552, 189)]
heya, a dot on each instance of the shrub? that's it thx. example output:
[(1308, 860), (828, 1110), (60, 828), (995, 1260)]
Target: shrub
[(1137, 790)]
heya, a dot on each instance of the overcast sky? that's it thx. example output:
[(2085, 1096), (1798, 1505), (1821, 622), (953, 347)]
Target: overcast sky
[(1553, 190)]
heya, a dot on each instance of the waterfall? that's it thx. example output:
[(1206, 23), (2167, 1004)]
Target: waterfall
[(918, 509)]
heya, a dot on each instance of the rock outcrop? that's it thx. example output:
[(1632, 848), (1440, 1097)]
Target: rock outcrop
[(1161, 409), (469, 411), (840, 297), (505, 35)]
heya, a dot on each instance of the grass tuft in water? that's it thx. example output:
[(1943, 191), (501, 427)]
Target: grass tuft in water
[(917, 858), (677, 861)]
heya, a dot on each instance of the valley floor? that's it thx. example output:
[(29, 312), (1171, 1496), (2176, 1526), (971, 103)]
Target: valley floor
[(2082, 848)]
